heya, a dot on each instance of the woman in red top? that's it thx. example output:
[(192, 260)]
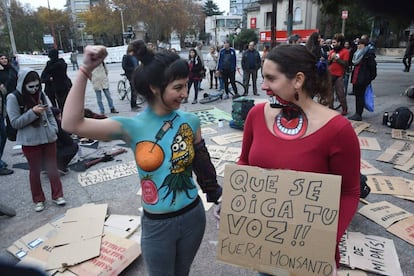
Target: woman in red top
[(297, 133)]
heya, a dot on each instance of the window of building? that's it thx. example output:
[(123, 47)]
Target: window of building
[(297, 15)]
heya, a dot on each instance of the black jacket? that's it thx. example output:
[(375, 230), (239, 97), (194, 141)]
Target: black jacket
[(365, 71)]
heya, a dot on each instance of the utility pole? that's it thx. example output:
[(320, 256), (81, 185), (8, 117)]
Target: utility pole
[(51, 26), (10, 27), (273, 24), (290, 18)]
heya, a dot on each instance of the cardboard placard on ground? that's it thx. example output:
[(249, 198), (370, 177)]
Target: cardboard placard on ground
[(228, 138), (373, 253), (402, 146), (272, 218), (122, 225), (216, 151), (395, 157), (384, 213), (108, 173), (407, 167), (391, 185), (404, 229), (359, 126), (410, 184), (402, 134), (368, 169), (368, 143)]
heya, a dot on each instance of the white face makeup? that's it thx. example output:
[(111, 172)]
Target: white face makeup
[(32, 87)]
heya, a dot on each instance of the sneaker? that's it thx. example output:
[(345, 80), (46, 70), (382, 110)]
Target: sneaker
[(355, 117), (135, 108), (60, 201), (194, 102), (39, 207), (113, 110), (64, 171), (225, 96), (5, 171)]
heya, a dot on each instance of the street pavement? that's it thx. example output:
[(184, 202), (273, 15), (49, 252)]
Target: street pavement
[(120, 194)]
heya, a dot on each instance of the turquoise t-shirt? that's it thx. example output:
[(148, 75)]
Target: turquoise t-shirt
[(164, 151)]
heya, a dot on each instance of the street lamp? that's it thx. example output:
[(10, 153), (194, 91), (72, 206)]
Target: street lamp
[(9, 25), (122, 20)]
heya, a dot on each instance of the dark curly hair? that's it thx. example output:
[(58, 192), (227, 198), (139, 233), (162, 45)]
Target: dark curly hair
[(292, 59), (156, 70)]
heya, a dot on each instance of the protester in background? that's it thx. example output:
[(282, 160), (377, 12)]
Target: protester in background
[(251, 62), (409, 51), (129, 63), (57, 82), (8, 81), (264, 54), (74, 60), (211, 64), (227, 68), (294, 39), (365, 71), (322, 140), (338, 61), (194, 76), (314, 46), (37, 133), (100, 83), (348, 69), (66, 148), (198, 48), (167, 145)]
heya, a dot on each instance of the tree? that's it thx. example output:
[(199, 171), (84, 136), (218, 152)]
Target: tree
[(243, 38), (210, 8)]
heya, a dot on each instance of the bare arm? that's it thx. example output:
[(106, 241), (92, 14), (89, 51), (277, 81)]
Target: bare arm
[(73, 119)]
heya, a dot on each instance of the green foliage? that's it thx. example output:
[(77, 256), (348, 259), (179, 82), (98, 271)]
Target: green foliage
[(244, 37), (210, 8)]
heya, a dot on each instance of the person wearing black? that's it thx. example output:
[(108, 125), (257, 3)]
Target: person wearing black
[(54, 76), (227, 67), (8, 82), (66, 148), (129, 63), (365, 71), (409, 51), (251, 62)]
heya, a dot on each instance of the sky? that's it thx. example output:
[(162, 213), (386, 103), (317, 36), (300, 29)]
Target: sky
[(59, 4)]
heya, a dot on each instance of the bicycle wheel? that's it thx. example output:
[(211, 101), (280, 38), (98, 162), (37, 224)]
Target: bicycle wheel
[(128, 92), (140, 99), (122, 90), (240, 88)]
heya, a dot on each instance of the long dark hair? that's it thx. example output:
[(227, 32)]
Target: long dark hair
[(31, 100), (156, 70), (292, 59)]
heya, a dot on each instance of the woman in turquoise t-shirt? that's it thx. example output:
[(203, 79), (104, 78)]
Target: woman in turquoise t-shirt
[(167, 147)]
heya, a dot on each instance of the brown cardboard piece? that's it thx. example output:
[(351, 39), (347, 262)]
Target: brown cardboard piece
[(391, 185), (404, 229), (74, 242), (270, 218), (384, 213)]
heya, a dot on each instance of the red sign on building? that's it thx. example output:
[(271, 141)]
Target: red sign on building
[(253, 23), (281, 36)]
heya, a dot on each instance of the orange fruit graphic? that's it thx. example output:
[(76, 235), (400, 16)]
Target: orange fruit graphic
[(149, 156)]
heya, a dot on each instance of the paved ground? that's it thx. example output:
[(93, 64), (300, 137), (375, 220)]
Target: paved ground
[(121, 195)]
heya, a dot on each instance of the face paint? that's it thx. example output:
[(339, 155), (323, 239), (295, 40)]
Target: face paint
[(291, 123), (32, 87)]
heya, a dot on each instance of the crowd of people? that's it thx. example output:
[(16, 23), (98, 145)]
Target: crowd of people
[(302, 82)]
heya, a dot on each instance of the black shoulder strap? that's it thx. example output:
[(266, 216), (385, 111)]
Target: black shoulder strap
[(19, 98)]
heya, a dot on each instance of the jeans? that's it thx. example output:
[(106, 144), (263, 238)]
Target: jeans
[(170, 245), (36, 156), (196, 87), (108, 98), (229, 77), (3, 139), (246, 79)]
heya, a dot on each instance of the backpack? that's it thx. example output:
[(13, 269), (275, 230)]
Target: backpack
[(401, 118), (239, 110), (11, 131)]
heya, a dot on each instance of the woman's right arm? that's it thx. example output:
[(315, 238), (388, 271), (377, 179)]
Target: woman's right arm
[(73, 120)]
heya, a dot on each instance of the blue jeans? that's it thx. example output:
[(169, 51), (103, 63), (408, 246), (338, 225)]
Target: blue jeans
[(170, 245), (108, 98), (3, 139)]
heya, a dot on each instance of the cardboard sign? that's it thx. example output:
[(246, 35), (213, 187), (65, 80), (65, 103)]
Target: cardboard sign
[(228, 138), (391, 185), (395, 157), (384, 213), (373, 253), (108, 173), (407, 167), (359, 126), (368, 169), (404, 229), (369, 143), (402, 134), (272, 220)]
